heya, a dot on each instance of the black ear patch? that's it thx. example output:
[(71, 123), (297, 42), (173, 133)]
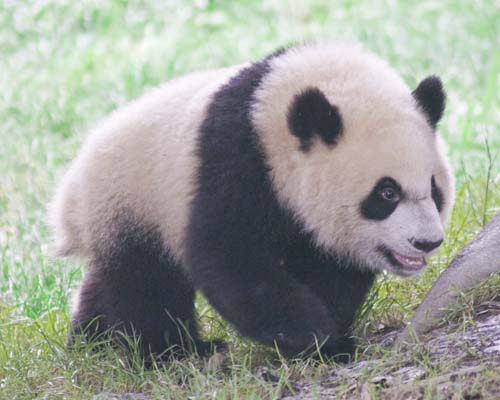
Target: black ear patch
[(310, 114), (431, 98)]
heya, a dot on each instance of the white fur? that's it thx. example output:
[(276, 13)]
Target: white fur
[(143, 157)]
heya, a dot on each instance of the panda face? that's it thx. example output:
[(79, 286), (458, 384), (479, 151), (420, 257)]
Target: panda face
[(403, 216), (354, 154), (385, 209)]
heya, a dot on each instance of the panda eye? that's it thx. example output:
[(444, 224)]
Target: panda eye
[(389, 194)]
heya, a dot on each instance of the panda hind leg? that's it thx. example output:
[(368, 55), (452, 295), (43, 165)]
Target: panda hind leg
[(133, 289)]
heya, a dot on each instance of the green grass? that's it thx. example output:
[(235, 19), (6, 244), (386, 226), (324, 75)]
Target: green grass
[(64, 65)]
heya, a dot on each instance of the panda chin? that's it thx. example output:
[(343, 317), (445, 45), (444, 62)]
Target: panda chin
[(402, 265)]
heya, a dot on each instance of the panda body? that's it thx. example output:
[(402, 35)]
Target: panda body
[(278, 188), (119, 167)]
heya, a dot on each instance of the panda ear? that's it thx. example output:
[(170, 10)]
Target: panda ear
[(310, 114), (431, 98)]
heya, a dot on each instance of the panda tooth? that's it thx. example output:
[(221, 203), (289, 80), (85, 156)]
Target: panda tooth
[(410, 261)]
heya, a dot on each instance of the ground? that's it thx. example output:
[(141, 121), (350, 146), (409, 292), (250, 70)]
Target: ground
[(64, 65), (452, 362), (457, 361)]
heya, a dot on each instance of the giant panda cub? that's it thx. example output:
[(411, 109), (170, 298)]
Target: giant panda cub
[(278, 188)]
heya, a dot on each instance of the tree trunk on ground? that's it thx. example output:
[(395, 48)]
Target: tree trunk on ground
[(478, 260)]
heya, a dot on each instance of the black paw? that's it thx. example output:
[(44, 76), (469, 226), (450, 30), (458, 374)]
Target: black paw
[(94, 332), (339, 350), (208, 348)]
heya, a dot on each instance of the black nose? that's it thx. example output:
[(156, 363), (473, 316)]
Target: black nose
[(425, 245)]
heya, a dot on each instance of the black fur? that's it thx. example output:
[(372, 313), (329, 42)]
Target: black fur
[(312, 114), (247, 254), (374, 206), (134, 287), (431, 98), (437, 194)]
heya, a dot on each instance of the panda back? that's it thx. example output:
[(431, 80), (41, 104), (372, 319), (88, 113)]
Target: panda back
[(137, 166)]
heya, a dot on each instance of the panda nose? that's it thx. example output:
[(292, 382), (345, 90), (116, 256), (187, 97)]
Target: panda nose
[(425, 245)]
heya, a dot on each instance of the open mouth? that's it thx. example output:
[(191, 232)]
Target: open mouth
[(410, 264)]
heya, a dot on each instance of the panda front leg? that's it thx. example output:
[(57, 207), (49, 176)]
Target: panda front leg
[(340, 283), (257, 296)]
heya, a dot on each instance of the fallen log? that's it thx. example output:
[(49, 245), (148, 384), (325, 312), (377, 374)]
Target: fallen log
[(477, 261)]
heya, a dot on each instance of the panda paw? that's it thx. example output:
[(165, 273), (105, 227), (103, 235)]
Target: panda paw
[(208, 348), (340, 350)]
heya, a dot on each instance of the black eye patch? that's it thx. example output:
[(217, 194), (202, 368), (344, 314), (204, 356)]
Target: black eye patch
[(377, 206), (437, 194)]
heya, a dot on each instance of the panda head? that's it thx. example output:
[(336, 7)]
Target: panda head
[(355, 155)]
